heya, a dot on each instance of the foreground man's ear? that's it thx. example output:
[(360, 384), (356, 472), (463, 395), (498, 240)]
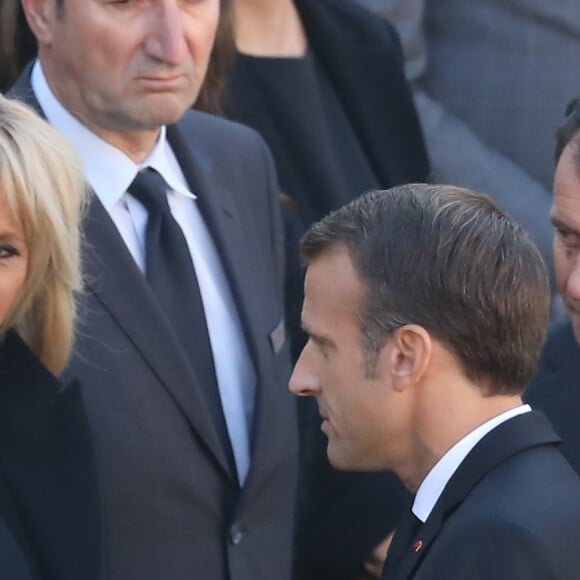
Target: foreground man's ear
[(409, 355)]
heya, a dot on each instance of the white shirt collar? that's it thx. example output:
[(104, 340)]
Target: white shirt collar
[(434, 483), (108, 170)]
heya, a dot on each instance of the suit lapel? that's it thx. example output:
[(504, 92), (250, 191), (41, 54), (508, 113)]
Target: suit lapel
[(220, 213), (115, 280), (508, 439)]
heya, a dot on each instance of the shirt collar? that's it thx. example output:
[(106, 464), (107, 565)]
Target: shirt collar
[(434, 483), (108, 170)]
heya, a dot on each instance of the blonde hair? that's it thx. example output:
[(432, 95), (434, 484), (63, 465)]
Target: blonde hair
[(43, 185)]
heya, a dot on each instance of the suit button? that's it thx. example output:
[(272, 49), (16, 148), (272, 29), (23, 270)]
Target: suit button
[(236, 534)]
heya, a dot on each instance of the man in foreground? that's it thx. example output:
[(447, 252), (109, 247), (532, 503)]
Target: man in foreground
[(426, 309)]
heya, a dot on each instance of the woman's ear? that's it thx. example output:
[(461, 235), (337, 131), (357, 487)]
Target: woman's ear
[(409, 355)]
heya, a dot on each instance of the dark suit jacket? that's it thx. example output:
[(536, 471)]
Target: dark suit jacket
[(342, 515), (555, 388), (170, 502), (511, 510), (48, 486)]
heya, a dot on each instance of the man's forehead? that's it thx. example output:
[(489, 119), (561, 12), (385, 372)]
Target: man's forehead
[(332, 287), (332, 270)]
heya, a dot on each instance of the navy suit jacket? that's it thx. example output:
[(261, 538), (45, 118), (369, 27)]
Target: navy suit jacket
[(555, 388), (511, 510), (171, 505)]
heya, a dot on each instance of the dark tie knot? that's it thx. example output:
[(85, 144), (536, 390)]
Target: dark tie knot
[(151, 190)]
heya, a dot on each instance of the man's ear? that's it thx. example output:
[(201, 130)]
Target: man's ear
[(40, 15), (409, 355)]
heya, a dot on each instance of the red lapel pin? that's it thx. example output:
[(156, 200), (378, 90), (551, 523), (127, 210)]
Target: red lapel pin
[(417, 545)]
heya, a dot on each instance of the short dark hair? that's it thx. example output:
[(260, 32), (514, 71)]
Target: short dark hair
[(449, 260), (569, 132)]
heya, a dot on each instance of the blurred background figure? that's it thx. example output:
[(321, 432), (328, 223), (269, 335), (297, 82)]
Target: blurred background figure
[(555, 387), (48, 496), (323, 82), (490, 79)]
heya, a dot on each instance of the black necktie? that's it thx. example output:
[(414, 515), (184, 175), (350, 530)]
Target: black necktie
[(405, 535), (171, 276)]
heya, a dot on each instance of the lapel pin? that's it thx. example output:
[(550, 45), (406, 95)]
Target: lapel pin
[(417, 545)]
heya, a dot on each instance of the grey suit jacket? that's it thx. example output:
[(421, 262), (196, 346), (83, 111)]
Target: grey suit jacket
[(511, 510), (491, 80), (171, 506)]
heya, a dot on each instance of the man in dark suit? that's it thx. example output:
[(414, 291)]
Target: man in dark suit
[(554, 388), (426, 308), (194, 430)]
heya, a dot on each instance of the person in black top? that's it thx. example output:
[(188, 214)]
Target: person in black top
[(323, 82)]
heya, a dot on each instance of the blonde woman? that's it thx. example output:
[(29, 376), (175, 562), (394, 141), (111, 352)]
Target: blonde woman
[(48, 524)]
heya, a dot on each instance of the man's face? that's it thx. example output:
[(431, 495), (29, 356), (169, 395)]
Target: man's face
[(358, 414), (566, 219), (126, 66)]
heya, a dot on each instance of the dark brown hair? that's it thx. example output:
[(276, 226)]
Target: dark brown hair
[(450, 261), (569, 132)]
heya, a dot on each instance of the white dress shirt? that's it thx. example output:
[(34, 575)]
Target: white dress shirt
[(432, 486), (109, 172)]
